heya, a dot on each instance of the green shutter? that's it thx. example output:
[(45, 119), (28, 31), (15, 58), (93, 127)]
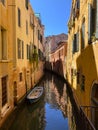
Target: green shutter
[(77, 41), (83, 35), (89, 22), (96, 34)]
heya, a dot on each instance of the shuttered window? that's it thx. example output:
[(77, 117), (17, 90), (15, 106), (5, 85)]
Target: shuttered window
[(75, 43), (83, 82), (20, 77), (96, 34), (4, 90), (38, 34), (83, 35), (20, 49), (26, 3), (19, 17), (27, 27), (28, 51), (3, 44), (91, 22), (78, 4)]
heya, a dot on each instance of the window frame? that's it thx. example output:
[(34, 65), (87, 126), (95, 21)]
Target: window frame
[(19, 17), (3, 44)]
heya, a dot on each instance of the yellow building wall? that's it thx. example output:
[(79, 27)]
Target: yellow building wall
[(13, 66), (83, 61), (6, 65)]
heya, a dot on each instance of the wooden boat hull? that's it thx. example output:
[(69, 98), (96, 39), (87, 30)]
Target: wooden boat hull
[(35, 94)]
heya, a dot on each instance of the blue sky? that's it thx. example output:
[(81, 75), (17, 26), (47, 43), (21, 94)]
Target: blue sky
[(54, 15)]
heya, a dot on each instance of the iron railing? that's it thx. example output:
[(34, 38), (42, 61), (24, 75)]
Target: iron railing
[(85, 112)]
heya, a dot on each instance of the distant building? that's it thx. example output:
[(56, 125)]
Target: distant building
[(51, 43), (82, 56), (57, 58)]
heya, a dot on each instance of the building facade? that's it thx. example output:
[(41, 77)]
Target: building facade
[(57, 58), (21, 52), (6, 64), (82, 63)]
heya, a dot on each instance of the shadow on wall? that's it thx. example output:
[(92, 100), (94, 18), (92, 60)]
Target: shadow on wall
[(87, 67), (48, 65)]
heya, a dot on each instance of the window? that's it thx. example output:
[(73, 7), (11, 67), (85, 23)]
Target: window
[(32, 20), (38, 34), (91, 21), (83, 82), (20, 77), (3, 2), (78, 77), (28, 51), (83, 35), (19, 17), (77, 7), (26, 27), (4, 90), (41, 38), (20, 48), (3, 44), (76, 43), (26, 3)]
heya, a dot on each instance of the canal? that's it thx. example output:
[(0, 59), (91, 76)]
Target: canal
[(54, 111)]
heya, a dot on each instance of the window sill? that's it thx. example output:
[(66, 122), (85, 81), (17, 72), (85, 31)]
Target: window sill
[(5, 61)]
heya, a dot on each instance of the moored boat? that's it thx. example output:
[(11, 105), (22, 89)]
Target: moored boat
[(35, 94)]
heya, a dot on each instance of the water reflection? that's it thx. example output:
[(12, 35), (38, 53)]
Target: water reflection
[(52, 112)]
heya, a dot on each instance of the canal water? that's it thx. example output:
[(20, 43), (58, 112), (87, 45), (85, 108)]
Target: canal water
[(53, 111)]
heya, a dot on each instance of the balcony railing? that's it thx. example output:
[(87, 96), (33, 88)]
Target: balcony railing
[(85, 112)]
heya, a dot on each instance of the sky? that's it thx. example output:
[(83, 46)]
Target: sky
[(54, 15)]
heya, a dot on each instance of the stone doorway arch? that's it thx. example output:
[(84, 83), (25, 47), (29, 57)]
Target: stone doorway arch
[(94, 104)]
